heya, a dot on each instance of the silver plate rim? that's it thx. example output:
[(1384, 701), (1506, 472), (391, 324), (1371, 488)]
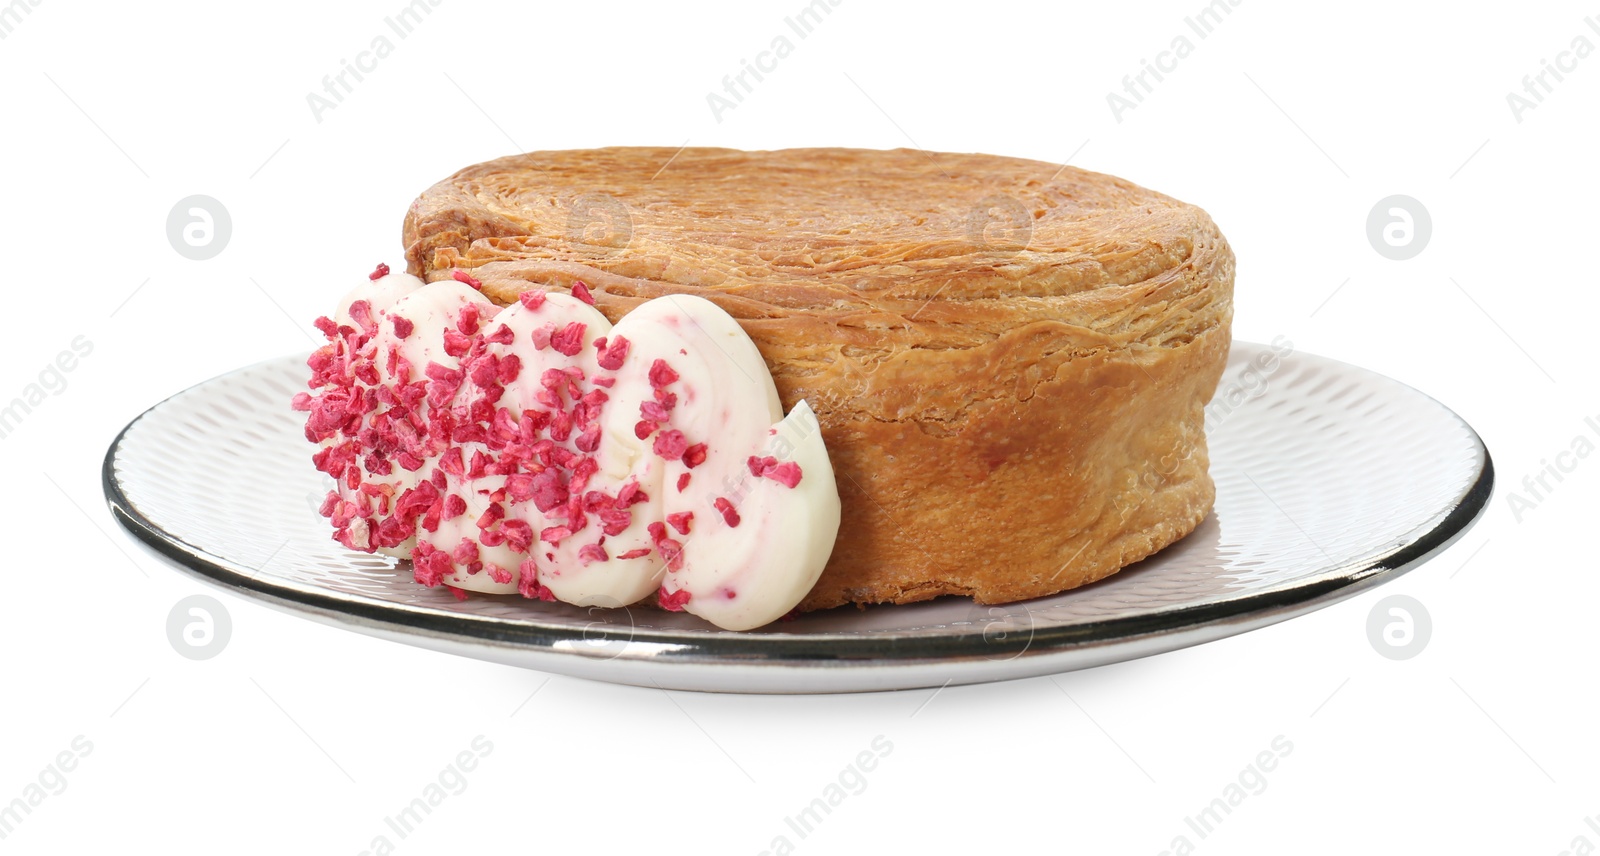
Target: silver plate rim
[(786, 662)]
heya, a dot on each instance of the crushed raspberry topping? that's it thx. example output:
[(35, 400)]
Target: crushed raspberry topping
[(786, 473), (662, 374), (569, 339), (730, 515), (580, 290), (672, 601), (670, 444), (379, 273), (694, 456), (612, 352), (487, 463)]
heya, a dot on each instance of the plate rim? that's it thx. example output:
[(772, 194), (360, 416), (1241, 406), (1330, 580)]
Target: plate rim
[(887, 649)]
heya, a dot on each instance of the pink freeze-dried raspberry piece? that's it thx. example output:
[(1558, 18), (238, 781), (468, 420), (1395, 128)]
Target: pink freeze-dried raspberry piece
[(661, 374), (760, 465), (787, 473), (631, 494), (430, 566), (553, 535), (568, 341), (456, 344), (653, 411), (528, 584), (672, 601), (694, 456), (518, 534), (613, 352), (501, 336), (730, 515), (670, 444)]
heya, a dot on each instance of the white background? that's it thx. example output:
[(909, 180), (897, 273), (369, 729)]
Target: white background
[(1287, 124)]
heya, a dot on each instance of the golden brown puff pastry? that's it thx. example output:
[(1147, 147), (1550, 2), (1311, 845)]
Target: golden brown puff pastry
[(1009, 359)]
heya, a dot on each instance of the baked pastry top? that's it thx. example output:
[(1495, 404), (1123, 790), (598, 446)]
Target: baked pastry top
[(1009, 359)]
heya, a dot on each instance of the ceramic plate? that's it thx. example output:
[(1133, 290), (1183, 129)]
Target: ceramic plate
[(1330, 479)]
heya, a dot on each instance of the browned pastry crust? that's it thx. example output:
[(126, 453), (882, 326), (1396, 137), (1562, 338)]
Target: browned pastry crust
[(1009, 359)]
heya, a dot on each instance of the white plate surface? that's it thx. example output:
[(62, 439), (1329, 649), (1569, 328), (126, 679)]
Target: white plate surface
[(1330, 479)]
